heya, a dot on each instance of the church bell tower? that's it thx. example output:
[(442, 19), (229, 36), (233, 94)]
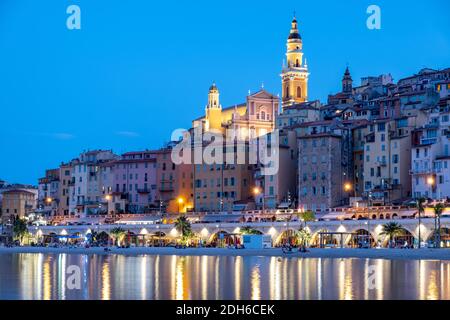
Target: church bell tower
[(294, 76), (213, 109)]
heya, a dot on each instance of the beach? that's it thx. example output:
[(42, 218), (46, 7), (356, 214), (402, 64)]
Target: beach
[(408, 254)]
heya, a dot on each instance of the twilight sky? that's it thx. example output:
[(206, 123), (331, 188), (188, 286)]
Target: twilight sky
[(139, 69)]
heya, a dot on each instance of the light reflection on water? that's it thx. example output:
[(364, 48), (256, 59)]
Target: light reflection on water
[(43, 276)]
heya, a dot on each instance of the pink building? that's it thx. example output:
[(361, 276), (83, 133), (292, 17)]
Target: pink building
[(134, 177)]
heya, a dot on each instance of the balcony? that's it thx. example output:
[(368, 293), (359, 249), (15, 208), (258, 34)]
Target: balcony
[(166, 188), (422, 171), (143, 190), (428, 141)]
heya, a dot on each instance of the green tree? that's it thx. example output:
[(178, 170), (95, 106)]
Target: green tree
[(304, 237), (249, 230), (392, 230), (118, 234), (20, 229), (307, 216), (183, 226), (438, 208)]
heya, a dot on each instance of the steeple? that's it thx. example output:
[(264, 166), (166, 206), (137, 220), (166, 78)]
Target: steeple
[(347, 82), (213, 97), (213, 112), (295, 73)]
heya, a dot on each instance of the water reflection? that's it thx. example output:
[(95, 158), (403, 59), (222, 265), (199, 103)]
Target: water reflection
[(39, 276)]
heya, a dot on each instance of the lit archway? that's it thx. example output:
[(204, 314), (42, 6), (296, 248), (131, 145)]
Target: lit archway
[(286, 237)]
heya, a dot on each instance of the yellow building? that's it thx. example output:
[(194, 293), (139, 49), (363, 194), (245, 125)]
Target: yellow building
[(253, 118), (17, 203), (294, 76)]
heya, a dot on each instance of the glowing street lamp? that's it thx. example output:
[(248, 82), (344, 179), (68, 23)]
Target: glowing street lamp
[(431, 182), (347, 187), (257, 191), (180, 203)]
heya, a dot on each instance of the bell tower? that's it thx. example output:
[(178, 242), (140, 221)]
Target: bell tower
[(347, 82), (213, 109), (294, 76)]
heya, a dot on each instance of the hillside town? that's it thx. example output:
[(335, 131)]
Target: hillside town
[(377, 144)]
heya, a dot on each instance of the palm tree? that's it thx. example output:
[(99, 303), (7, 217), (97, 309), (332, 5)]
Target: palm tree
[(20, 229), (183, 226), (391, 230), (438, 208), (249, 230), (420, 210), (304, 237), (118, 234), (307, 216)]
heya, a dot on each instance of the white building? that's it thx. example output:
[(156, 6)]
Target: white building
[(431, 157), (91, 182)]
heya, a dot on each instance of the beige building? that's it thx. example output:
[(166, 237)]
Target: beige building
[(359, 136), (280, 189), (18, 203), (321, 171), (387, 160), (174, 183), (223, 187), (65, 181)]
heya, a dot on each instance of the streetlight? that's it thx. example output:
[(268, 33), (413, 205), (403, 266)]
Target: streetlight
[(431, 181), (256, 192), (180, 202), (108, 198), (347, 188)]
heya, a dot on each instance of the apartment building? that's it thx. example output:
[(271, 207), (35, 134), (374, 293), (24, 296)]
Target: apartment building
[(18, 203), (91, 182), (48, 193), (430, 156), (279, 189), (387, 160), (174, 183), (134, 176)]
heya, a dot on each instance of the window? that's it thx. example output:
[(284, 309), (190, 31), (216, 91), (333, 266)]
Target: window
[(395, 158), (299, 92)]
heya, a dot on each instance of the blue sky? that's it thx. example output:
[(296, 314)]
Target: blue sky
[(139, 69)]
